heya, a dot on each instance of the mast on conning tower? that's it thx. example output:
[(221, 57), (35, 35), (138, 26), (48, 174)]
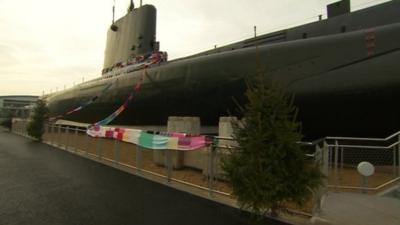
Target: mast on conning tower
[(131, 6), (113, 26)]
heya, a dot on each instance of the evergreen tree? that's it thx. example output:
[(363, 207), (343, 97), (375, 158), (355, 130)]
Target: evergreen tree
[(39, 115), (7, 122), (269, 168)]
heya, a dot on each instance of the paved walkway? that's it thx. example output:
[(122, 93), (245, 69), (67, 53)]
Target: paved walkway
[(42, 185), (360, 209)]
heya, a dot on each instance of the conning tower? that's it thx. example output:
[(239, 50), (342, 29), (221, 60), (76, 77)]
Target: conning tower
[(131, 36)]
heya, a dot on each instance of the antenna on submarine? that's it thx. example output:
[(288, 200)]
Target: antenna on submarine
[(141, 3), (113, 26), (113, 10), (131, 6)]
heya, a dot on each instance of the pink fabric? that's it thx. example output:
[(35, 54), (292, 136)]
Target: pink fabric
[(110, 133), (191, 143), (177, 141), (179, 135)]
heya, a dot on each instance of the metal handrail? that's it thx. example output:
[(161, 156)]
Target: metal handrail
[(313, 143), (224, 138), (366, 146), (364, 139)]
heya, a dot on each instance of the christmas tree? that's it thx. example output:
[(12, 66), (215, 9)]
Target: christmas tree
[(35, 126), (268, 168)]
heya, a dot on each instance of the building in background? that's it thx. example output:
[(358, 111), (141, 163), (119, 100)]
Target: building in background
[(18, 106)]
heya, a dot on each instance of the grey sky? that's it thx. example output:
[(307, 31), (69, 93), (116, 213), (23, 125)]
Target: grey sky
[(46, 44)]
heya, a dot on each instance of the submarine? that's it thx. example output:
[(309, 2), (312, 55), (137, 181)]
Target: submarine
[(344, 73)]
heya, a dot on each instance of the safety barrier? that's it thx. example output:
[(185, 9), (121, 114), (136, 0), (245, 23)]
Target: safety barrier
[(337, 157)]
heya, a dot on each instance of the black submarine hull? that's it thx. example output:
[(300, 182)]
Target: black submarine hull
[(341, 88)]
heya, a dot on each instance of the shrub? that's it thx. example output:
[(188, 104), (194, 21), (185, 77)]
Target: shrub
[(269, 168), (39, 115)]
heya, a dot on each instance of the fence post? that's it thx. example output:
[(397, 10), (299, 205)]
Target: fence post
[(341, 158), (66, 137), (211, 167), (319, 159), (116, 152), (87, 144), (76, 139), (398, 160), (52, 134), (168, 163), (336, 163), (326, 158), (138, 159), (394, 149), (398, 157), (48, 125), (59, 135), (98, 148)]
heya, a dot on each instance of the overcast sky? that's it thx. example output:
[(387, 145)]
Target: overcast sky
[(49, 44)]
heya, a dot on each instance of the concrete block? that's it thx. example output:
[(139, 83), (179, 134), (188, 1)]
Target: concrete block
[(190, 125), (218, 172), (225, 129), (177, 158), (194, 159)]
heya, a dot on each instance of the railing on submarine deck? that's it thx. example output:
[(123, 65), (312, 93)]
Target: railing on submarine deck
[(337, 157)]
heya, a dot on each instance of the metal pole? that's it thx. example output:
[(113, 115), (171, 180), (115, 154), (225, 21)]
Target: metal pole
[(87, 144), (52, 135), (168, 163), (365, 184), (341, 158), (398, 157), (326, 159), (59, 135), (76, 139), (138, 159), (211, 169), (116, 152), (330, 155), (398, 161), (98, 147), (325, 170), (319, 154), (57, 139), (336, 163), (66, 138), (394, 160)]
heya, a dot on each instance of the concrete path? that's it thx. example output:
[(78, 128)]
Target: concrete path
[(43, 185), (360, 209)]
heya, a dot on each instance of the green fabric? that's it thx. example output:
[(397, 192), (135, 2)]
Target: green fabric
[(146, 140)]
